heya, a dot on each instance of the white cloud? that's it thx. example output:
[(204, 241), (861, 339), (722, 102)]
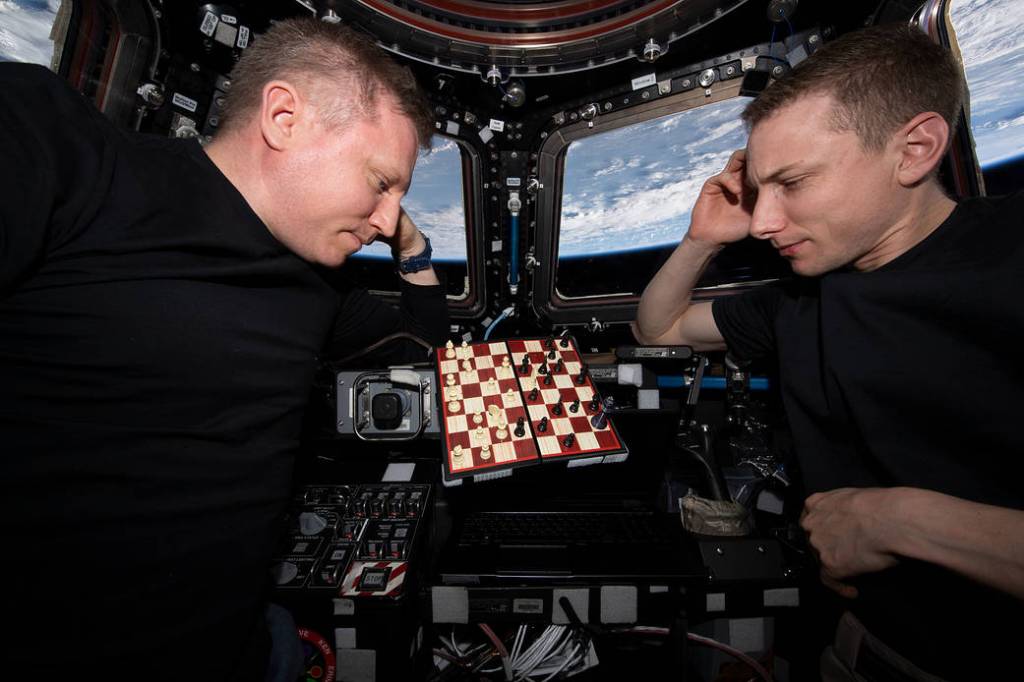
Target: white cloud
[(614, 167), (647, 216), (25, 31)]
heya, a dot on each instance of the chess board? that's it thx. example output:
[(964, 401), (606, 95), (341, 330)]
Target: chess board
[(507, 404)]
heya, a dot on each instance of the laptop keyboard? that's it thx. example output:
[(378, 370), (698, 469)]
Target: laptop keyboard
[(566, 528)]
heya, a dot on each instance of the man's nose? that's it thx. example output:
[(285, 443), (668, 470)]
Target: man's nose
[(384, 218), (768, 218)]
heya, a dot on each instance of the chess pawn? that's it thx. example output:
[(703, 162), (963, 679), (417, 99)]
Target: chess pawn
[(454, 406), (520, 427), (501, 433), (456, 452), (485, 452), (478, 418), (450, 380), (504, 361), (449, 352)]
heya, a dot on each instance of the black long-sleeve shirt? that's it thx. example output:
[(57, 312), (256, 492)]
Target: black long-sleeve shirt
[(157, 346)]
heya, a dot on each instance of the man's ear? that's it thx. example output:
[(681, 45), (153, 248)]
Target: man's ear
[(922, 142), (281, 110)]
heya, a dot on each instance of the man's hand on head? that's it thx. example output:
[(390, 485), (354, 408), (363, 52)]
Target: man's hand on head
[(849, 532), (408, 240), (725, 205)]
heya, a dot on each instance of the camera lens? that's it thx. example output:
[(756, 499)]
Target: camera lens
[(386, 411)]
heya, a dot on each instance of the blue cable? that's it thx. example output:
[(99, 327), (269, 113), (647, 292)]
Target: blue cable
[(712, 383), (513, 256), (505, 313)]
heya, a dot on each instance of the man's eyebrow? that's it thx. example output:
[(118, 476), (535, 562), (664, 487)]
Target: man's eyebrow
[(391, 179), (774, 175)]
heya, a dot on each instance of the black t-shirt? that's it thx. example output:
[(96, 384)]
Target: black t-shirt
[(157, 348), (910, 375)]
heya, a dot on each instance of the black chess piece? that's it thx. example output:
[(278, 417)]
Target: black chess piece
[(557, 409), (575, 406), (543, 369), (581, 378), (533, 393), (559, 366), (599, 420), (520, 427), (547, 380), (551, 354), (542, 425), (595, 403), (564, 342), (549, 342), (568, 441)]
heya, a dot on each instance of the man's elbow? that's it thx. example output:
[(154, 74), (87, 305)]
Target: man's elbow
[(642, 338)]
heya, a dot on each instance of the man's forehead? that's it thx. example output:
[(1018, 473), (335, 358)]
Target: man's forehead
[(795, 136)]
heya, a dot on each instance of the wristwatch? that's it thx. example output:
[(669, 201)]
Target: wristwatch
[(421, 261)]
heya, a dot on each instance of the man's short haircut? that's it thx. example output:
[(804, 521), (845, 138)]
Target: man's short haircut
[(342, 72), (880, 78)]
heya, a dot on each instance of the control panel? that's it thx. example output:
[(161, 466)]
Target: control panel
[(351, 540)]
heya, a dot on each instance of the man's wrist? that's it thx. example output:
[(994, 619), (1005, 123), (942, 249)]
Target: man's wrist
[(701, 244), (417, 260)]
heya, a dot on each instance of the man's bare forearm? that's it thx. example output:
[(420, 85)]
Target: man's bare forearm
[(669, 293), (980, 541)]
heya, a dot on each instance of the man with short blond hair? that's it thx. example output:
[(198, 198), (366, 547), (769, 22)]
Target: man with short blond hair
[(895, 346), (162, 310)]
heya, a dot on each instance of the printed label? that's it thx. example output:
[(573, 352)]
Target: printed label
[(186, 103), (496, 125), (209, 24), (228, 19), (644, 81), (243, 37)]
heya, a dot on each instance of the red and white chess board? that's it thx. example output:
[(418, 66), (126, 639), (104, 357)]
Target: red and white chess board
[(512, 403)]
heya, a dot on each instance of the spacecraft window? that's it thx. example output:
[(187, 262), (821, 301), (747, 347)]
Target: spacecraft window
[(991, 46)]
